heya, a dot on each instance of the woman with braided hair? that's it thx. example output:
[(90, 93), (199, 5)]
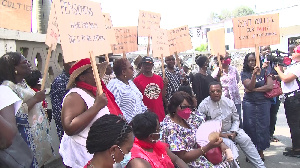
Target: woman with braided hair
[(110, 139)]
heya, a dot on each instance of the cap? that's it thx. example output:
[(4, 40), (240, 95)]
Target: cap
[(147, 59)]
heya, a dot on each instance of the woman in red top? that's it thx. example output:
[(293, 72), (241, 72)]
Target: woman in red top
[(147, 150)]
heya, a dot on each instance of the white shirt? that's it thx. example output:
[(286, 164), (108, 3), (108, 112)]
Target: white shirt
[(8, 97), (293, 85)]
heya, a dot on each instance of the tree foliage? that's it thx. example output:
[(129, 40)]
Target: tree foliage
[(203, 47), (226, 14)]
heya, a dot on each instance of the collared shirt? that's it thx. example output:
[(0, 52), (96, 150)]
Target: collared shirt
[(57, 93), (223, 110), (174, 81)]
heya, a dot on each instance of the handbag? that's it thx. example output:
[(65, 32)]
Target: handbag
[(276, 91), (214, 155), (17, 155)]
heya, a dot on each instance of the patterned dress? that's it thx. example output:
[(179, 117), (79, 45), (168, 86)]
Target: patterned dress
[(180, 138), (33, 125), (57, 93)]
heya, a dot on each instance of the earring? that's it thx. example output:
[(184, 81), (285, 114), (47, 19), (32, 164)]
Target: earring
[(124, 76), (16, 72), (113, 156)]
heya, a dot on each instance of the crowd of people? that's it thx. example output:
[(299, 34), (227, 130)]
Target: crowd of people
[(143, 119)]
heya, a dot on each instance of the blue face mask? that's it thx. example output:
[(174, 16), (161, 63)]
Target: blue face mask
[(124, 162)]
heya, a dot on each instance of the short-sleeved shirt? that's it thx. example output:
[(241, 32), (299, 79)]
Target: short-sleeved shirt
[(151, 88), (293, 85), (128, 98), (200, 86), (8, 97), (174, 82), (260, 81)]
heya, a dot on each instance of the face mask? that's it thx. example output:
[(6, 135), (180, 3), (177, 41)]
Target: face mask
[(227, 61), (126, 159), (185, 113)]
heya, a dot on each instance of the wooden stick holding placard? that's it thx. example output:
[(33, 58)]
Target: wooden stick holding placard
[(106, 58), (46, 68), (177, 60), (163, 66), (96, 73), (124, 54), (257, 57), (148, 47), (220, 63)]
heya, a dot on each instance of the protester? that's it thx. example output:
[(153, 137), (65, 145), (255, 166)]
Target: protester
[(81, 107), (34, 81), (290, 83), (201, 80), (218, 107), (173, 75), (13, 149), (57, 93), (229, 78), (179, 131), (275, 102), (127, 95), (256, 107), (110, 140), (31, 119), (148, 150), (153, 88)]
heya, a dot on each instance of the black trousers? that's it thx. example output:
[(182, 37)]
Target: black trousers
[(273, 115), (292, 112)]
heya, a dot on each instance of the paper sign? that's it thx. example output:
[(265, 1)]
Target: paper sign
[(148, 20), (250, 30), (179, 39), (16, 14), (126, 40), (82, 29), (109, 28), (216, 40), (52, 31), (160, 43)]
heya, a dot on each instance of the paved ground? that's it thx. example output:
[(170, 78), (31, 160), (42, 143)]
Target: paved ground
[(273, 155)]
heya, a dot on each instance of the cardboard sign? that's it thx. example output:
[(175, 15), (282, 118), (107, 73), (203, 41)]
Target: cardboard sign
[(52, 31), (179, 39), (160, 43), (126, 40), (82, 29), (250, 30), (16, 14), (148, 20), (109, 28), (216, 40)]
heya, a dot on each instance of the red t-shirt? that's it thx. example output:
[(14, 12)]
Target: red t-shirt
[(151, 88)]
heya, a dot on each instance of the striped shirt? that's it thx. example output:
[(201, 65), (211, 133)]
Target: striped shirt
[(128, 98)]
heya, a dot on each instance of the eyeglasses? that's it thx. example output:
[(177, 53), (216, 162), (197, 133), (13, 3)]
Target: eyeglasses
[(121, 150), (184, 107), (216, 91)]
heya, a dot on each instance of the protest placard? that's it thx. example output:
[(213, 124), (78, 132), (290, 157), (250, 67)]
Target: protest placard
[(82, 29), (16, 14), (52, 30), (251, 30), (109, 28), (179, 39), (126, 40), (160, 44), (147, 20), (216, 40)]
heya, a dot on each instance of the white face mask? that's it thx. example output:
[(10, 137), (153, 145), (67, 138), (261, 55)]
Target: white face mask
[(125, 160)]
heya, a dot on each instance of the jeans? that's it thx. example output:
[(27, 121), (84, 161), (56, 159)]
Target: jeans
[(273, 115), (239, 111), (292, 112)]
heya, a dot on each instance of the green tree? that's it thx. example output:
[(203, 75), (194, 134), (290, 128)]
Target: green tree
[(203, 47), (242, 11)]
